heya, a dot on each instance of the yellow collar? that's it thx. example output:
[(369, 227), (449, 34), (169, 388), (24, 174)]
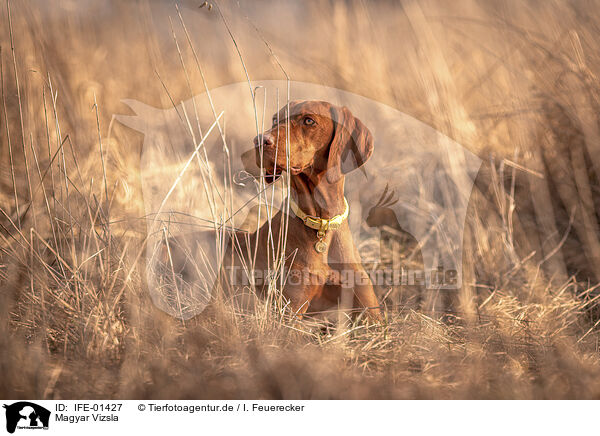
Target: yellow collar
[(318, 223)]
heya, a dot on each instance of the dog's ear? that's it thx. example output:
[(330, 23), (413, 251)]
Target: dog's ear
[(351, 146)]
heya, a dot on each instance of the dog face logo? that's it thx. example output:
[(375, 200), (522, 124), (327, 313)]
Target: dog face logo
[(26, 415), (197, 175)]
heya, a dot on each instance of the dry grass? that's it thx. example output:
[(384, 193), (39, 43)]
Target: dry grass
[(515, 83)]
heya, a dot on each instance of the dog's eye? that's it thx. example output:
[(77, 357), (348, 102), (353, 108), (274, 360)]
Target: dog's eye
[(309, 121), (274, 121)]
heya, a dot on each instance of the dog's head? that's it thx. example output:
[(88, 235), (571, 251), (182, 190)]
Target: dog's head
[(323, 139)]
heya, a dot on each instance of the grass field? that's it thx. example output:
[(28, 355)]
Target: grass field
[(514, 82)]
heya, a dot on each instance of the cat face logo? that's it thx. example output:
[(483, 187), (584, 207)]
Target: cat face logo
[(26, 415)]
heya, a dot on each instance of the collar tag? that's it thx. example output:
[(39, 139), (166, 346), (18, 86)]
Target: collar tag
[(322, 225)]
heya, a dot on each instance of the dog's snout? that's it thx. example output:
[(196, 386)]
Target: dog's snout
[(267, 140)]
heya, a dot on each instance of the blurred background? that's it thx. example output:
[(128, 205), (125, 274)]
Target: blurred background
[(515, 83)]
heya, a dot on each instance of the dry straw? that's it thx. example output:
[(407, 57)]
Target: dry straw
[(76, 320)]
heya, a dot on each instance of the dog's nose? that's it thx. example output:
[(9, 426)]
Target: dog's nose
[(267, 141)]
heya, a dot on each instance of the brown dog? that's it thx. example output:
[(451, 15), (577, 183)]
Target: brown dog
[(325, 143)]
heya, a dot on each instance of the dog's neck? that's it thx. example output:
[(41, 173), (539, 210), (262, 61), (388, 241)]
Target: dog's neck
[(317, 197)]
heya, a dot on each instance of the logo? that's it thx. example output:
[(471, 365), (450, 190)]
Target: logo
[(196, 179), (26, 415)]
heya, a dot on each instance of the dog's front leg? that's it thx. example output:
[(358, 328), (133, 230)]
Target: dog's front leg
[(301, 287), (364, 295)]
